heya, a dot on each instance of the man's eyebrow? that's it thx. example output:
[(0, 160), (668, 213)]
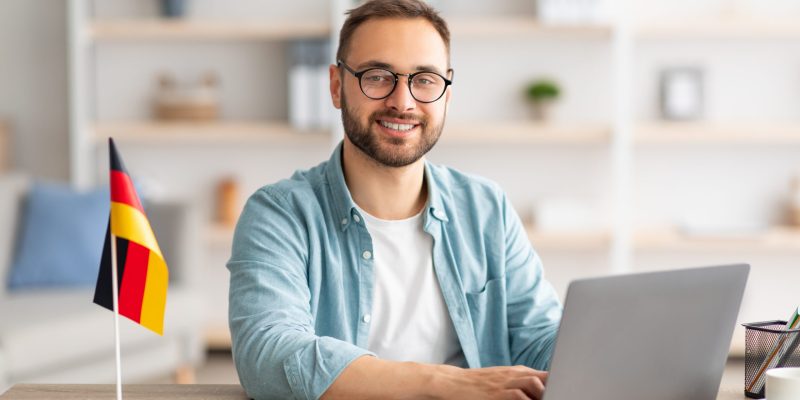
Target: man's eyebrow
[(380, 64), (373, 64), (430, 68)]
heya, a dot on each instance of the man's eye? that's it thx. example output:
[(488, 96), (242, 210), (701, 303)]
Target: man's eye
[(426, 80)]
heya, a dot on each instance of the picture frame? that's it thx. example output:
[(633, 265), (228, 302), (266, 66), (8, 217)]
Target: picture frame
[(681, 93)]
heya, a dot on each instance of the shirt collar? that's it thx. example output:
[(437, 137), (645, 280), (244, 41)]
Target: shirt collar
[(345, 207)]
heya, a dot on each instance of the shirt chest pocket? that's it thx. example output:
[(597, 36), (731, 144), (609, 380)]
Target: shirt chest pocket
[(487, 307)]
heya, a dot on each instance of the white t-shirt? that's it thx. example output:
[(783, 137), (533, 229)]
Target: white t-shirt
[(409, 321)]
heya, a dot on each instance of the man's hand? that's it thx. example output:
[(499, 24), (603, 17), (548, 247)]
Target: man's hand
[(516, 382), (369, 377)]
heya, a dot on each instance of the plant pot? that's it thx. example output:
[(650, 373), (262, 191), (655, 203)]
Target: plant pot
[(173, 8), (542, 111)]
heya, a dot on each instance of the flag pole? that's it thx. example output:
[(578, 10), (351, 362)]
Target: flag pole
[(115, 295)]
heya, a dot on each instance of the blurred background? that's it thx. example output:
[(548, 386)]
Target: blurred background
[(630, 136)]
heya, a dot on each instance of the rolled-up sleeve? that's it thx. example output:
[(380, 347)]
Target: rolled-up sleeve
[(275, 349), (534, 311)]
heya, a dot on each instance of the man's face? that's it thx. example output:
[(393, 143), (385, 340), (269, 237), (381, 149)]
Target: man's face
[(379, 128)]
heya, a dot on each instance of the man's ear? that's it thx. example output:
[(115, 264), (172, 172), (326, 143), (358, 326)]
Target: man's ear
[(335, 86)]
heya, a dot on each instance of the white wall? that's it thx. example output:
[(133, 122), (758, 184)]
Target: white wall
[(33, 85)]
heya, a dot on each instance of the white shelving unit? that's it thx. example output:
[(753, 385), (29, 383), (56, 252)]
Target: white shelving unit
[(608, 154), (742, 151)]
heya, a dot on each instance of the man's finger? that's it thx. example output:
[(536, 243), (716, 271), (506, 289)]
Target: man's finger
[(543, 375), (532, 386), (538, 389)]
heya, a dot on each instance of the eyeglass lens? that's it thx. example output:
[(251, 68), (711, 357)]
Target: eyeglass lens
[(378, 83)]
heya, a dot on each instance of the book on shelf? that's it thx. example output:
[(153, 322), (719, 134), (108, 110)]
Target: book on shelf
[(309, 98)]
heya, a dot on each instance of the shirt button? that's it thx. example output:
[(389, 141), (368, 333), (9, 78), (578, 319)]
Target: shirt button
[(366, 254), (356, 218), (366, 318), (344, 221), (438, 214)]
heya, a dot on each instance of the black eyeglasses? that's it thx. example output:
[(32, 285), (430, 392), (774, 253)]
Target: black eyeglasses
[(379, 83)]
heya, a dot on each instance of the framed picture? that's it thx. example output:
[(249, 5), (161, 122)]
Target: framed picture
[(682, 93)]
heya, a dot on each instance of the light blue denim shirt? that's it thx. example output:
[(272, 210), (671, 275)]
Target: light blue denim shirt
[(302, 280)]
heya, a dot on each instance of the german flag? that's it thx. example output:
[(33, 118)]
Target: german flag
[(142, 274)]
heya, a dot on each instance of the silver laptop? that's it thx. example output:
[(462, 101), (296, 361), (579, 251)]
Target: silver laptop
[(654, 336)]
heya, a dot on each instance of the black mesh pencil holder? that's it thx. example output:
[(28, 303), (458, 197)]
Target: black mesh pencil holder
[(768, 345)]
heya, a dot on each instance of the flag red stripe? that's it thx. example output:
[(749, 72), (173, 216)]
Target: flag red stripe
[(122, 190), (131, 292)]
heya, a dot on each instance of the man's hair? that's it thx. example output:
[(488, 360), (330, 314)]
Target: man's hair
[(373, 9)]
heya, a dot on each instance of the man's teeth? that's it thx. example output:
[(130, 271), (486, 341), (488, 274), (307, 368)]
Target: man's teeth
[(397, 127)]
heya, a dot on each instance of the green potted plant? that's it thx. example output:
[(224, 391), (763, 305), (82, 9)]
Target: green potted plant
[(542, 94)]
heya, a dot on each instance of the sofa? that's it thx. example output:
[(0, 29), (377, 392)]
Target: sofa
[(58, 335)]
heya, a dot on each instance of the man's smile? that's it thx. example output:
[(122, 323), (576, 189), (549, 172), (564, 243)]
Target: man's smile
[(397, 127)]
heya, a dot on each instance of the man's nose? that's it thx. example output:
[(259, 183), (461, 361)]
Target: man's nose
[(401, 98)]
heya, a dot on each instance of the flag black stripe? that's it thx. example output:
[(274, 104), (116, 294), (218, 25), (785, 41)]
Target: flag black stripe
[(116, 161), (102, 292)]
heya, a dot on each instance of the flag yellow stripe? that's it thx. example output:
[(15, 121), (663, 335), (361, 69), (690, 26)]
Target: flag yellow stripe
[(129, 223), (155, 295)]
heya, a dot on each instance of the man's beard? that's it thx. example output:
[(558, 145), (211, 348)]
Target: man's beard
[(396, 151)]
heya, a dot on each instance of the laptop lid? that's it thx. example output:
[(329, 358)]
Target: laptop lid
[(658, 335)]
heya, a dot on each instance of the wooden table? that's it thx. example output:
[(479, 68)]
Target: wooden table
[(130, 392), (731, 388), (177, 392)]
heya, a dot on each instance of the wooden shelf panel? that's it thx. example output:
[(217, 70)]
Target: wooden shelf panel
[(721, 28), (492, 27), (187, 29), (281, 132), (221, 236), (776, 238), (208, 132), (217, 337), (717, 133), (544, 240), (526, 133)]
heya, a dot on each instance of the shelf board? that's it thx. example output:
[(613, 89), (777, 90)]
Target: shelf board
[(492, 27), (217, 337), (526, 133), (155, 132), (282, 132), (219, 236), (717, 133), (670, 239), (188, 29), (565, 240), (721, 28), (222, 236)]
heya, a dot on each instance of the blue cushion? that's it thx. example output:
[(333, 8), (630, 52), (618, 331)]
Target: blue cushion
[(61, 237)]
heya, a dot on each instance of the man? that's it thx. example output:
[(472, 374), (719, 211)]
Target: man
[(377, 274)]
